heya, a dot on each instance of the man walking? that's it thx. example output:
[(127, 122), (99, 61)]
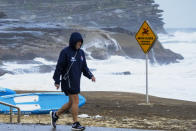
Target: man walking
[(71, 64)]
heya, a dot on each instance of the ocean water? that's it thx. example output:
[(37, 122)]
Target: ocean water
[(175, 80)]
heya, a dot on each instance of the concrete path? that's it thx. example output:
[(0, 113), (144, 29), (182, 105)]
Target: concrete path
[(37, 127)]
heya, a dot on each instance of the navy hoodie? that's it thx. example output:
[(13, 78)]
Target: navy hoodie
[(79, 66)]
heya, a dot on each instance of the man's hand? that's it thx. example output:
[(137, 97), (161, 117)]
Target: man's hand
[(93, 79), (57, 86)]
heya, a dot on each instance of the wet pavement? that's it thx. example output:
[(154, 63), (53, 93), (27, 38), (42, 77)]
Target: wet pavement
[(38, 127)]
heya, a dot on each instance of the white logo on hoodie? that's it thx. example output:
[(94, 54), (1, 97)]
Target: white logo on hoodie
[(73, 59)]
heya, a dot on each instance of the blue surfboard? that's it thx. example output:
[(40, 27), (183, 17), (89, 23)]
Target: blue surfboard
[(37, 103), (6, 91)]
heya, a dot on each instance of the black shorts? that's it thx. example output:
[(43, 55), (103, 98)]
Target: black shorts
[(69, 92)]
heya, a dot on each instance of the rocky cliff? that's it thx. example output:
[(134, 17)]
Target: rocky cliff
[(127, 14), (39, 28)]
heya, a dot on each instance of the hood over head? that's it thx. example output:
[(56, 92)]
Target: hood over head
[(74, 38)]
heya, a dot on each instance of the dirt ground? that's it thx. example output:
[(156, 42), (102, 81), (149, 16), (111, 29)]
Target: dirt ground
[(127, 110)]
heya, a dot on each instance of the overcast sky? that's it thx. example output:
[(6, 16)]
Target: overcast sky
[(178, 13)]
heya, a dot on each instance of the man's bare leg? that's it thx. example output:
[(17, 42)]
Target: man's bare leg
[(74, 106), (64, 108), (55, 115)]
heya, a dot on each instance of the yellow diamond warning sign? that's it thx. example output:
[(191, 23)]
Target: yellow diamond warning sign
[(145, 37)]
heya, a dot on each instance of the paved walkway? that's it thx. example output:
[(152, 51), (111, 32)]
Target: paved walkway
[(37, 127)]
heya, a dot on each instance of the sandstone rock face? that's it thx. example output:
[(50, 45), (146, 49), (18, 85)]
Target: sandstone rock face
[(98, 44), (127, 14)]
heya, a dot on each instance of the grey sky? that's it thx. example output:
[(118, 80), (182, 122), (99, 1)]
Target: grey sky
[(178, 13)]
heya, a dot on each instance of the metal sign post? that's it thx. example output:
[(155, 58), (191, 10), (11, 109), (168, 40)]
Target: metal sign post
[(147, 98), (146, 39)]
